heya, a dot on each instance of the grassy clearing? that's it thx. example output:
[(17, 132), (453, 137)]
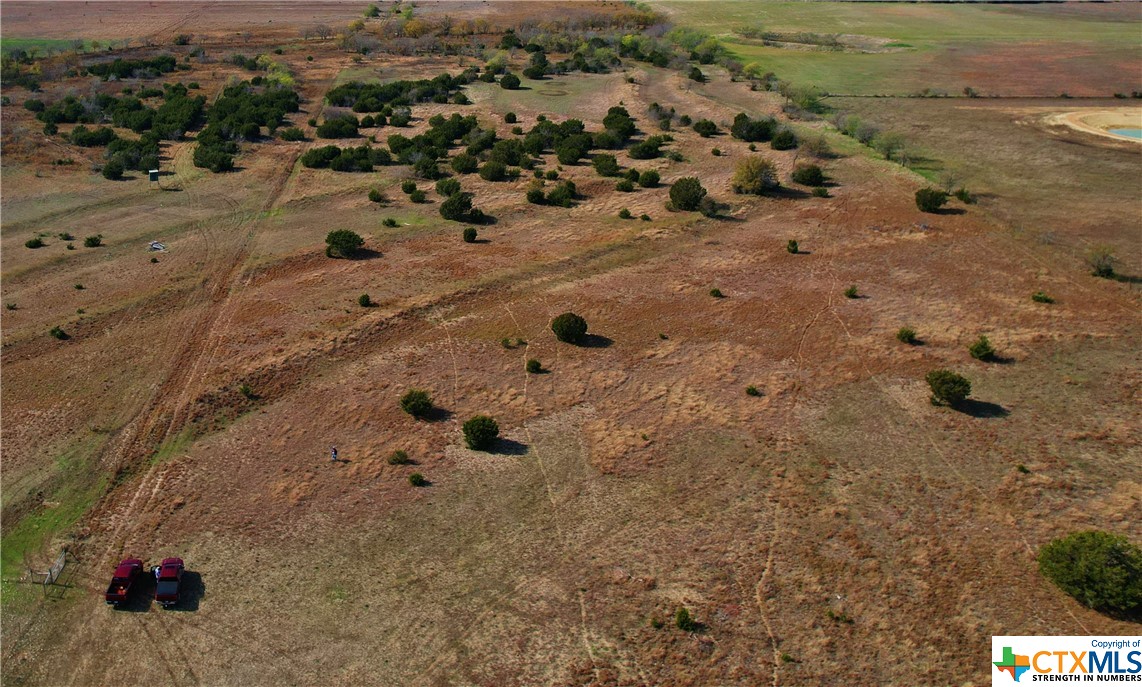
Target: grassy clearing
[(984, 141), (926, 23), (944, 45), (41, 44), (562, 95), (173, 447), (78, 487)]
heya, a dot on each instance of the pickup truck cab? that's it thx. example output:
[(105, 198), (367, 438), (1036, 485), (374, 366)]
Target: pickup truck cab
[(168, 580), (125, 576)]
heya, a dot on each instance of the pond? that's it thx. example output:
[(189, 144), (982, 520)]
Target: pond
[(1132, 133)]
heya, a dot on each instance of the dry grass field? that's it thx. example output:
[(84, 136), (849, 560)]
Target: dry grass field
[(834, 529)]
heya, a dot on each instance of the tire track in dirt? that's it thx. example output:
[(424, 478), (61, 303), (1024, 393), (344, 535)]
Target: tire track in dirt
[(180, 22), (170, 410), (761, 585), (584, 630), (919, 425), (165, 415)]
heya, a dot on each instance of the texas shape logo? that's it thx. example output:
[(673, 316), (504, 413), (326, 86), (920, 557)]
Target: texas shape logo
[(1013, 663)]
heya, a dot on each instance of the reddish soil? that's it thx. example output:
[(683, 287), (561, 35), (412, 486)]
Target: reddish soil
[(635, 476)]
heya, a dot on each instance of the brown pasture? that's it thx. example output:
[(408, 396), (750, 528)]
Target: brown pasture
[(634, 477)]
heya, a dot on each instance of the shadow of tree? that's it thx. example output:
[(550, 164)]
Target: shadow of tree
[(437, 414), (510, 447), (595, 341), (982, 409)]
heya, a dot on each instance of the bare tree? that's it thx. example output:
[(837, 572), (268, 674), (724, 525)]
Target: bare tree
[(949, 179), (444, 26), (323, 31)]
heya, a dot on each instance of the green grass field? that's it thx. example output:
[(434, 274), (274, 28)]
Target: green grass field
[(40, 44), (76, 488), (561, 95), (1046, 49)]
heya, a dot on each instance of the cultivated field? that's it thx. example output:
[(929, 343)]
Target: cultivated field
[(833, 528), (1083, 49)]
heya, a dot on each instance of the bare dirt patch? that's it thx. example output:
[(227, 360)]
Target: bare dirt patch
[(1100, 122)]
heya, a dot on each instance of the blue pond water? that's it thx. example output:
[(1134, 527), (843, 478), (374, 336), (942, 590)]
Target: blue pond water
[(1132, 133)]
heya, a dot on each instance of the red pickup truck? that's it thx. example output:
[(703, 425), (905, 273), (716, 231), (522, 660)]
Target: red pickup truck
[(168, 580), (125, 576)]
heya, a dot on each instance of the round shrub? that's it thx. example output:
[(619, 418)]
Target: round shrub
[(625, 186), (754, 175), (705, 128), (906, 335), (418, 196), (113, 169), (606, 165), (376, 196), (687, 193), (34, 242), (457, 207), (465, 163), (792, 247), (343, 243), (426, 168), (447, 187), (469, 235), (533, 366), (510, 118), (625, 214), (535, 196), (648, 179), (1100, 570), (982, 349), (509, 81), (569, 327), (809, 175), (494, 171), (480, 432), (364, 301), (682, 617), (784, 140), (416, 402), (930, 199), (417, 480), (408, 185), (399, 457), (948, 388)]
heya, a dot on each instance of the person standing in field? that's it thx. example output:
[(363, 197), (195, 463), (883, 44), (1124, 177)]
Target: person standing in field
[(333, 455)]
